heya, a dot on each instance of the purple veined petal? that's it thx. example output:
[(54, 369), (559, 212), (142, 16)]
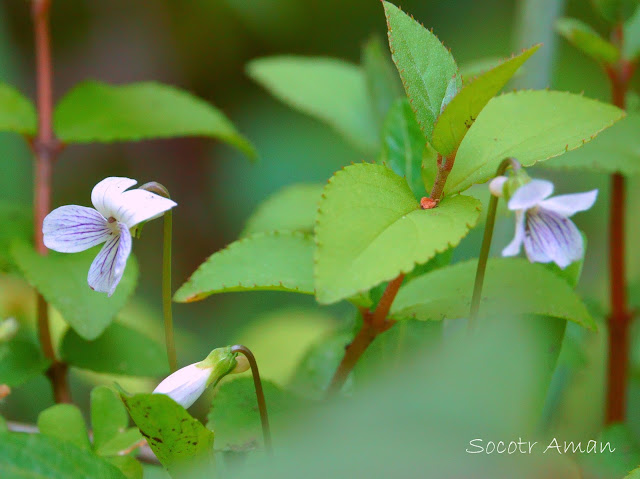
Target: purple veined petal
[(552, 237), (104, 192), (514, 247), (108, 267), (72, 228), (496, 186), (135, 206), (530, 194), (569, 205)]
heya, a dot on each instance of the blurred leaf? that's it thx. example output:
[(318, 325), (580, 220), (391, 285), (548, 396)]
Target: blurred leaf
[(615, 150), (120, 443), (274, 261), (611, 464), (425, 65), (62, 280), (97, 112), (4, 428), (585, 38), (64, 422), (108, 415), (330, 90), (234, 413), (403, 145), (461, 112), (293, 208), (118, 350), (180, 442), (36, 456), (128, 465), (20, 361), (531, 126), (615, 10), (371, 228), (383, 83), (512, 286), (631, 46), (17, 113), (17, 226)]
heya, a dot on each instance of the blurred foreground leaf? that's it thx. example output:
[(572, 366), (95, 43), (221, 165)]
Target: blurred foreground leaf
[(17, 226), (20, 361)]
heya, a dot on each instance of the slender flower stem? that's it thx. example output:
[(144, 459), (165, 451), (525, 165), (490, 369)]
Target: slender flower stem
[(262, 404), (45, 148), (167, 310), (486, 244)]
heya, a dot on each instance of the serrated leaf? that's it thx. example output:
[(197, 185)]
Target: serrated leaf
[(585, 38), (473, 68), (97, 112), (62, 280), (179, 441), (108, 415), (330, 90), (631, 46), (17, 113), (293, 208), (36, 456), (424, 63), (274, 261), (118, 350), (20, 361), (64, 422), (371, 228), (403, 145), (17, 226), (530, 126), (461, 112), (615, 150), (512, 286)]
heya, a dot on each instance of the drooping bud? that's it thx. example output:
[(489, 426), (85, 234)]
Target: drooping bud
[(506, 186)]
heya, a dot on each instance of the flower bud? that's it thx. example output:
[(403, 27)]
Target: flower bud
[(506, 186)]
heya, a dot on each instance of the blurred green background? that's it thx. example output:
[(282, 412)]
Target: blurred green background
[(203, 46)]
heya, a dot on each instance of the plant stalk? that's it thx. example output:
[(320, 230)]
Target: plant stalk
[(444, 168)]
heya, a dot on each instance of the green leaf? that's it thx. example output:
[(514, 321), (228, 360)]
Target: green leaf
[(234, 413), (62, 280), (611, 464), (97, 112), (17, 113), (460, 114), (511, 286), (382, 78), (631, 47), (615, 150), (120, 443), (17, 222), (108, 416), (371, 228), (128, 465), (293, 208), (20, 361), (474, 68), (530, 126), (118, 350), (403, 145), (585, 38), (275, 261), (425, 65), (330, 90), (36, 456), (615, 10), (179, 441), (64, 422)]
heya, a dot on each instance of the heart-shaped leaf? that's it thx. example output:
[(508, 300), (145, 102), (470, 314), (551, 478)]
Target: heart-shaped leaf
[(17, 113), (64, 422)]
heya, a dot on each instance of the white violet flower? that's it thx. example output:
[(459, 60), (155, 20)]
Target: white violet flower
[(72, 228), (543, 223)]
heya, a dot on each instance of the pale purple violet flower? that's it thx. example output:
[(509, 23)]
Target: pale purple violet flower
[(72, 228), (543, 224)]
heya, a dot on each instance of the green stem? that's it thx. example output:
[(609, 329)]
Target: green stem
[(486, 245), (262, 404)]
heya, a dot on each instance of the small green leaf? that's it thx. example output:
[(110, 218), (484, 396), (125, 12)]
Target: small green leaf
[(293, 208), (403, 145), (330, 90), (275, 261), (121, 443), (108, 415), (371, 228), (64, 422), (530, 126), (474, 68), (62, 280), (615, 150), (631, 47), (128, 465), (511, 286), (118, 350), (20, 361), (460, 114), (17, 226), (425, 65), (17, 113), (97, 112), (36, 456), (179, 441), (582, 36), (615, 11)]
